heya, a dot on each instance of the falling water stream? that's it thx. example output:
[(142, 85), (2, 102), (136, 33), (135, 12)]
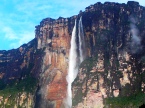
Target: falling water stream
[(74, 59), (81, 41), (72, 71)]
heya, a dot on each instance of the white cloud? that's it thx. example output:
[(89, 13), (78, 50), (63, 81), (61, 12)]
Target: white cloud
[(17, 39), (23, 38), (9, 33)]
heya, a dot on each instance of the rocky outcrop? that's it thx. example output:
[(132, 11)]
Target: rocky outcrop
[(23, 100), (115, 62)]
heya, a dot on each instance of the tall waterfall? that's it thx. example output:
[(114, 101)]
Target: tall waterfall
[(73, 66), (74, 59), (81, 41)]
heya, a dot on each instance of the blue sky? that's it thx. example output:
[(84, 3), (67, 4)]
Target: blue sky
[(18, 18)]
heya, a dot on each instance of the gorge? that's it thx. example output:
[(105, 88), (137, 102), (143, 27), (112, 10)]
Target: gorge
[(95, 59)]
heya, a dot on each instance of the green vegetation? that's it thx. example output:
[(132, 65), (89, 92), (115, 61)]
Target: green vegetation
[(15, 87), (143, 60), (89, 63), (117, 64), (2, 84), (78, 97), (119, 74), (27, 85), (133, 101)]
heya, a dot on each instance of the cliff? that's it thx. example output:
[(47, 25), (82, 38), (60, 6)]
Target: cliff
[(112, 75)]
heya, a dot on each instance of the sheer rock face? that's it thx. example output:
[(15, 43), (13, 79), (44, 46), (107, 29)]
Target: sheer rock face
[(114, 63), (115, 66), (53, 35)]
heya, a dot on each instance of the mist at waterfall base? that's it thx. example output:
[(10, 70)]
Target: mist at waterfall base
[(75, 59)]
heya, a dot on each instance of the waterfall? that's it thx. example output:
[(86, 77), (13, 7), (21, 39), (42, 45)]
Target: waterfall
[(81, 41), (75, 59), (73, 66)]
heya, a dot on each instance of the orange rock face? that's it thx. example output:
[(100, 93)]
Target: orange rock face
[(55, 61)]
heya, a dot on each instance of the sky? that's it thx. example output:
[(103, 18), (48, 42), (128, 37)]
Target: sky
[(18, 18)]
